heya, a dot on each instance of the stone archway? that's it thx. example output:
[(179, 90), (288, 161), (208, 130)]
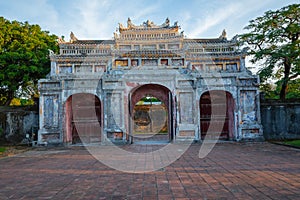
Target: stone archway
[(82, 119), (219, 122), (163, 95)]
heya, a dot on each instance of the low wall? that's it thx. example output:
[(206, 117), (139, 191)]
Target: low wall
[(280, 120), (16, 122)]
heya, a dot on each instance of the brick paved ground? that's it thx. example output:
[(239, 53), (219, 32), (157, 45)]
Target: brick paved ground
[(230, 171)]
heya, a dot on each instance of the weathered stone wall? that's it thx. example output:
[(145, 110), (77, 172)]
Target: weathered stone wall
[(280, 120), (16, 122)]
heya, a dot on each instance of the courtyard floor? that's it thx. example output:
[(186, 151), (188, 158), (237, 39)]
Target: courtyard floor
[(230, 171)]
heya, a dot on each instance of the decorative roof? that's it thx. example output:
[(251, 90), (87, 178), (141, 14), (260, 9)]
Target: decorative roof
[(147, 25), (94, 42)]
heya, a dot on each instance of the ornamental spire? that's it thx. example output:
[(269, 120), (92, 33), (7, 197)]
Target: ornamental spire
[(72, 37), (223, 36)]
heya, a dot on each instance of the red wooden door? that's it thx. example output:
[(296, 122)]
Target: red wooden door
[(86, 121), (217, 123)]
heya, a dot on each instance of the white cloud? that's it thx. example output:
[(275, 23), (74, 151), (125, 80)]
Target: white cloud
[(231, 17), (95, 19), (98, 19), (34, 11), (214, 18), (89, 20), (140, 14)]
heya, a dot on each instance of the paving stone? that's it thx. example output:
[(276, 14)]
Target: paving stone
[(230, 171)]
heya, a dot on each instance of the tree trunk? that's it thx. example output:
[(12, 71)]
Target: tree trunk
[(285, 80), (283, 89), (10, 97)]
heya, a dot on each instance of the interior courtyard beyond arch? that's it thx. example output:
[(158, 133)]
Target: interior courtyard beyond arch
[(158, 114)]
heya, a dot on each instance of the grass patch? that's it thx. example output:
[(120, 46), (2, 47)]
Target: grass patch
[(2, 149), (293, 143)]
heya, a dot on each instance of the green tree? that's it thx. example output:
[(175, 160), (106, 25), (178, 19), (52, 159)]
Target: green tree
[(272, 90), (273, 39), (24, 56), (292, 91)]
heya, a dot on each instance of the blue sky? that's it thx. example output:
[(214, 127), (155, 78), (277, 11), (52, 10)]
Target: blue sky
[(98, 19)]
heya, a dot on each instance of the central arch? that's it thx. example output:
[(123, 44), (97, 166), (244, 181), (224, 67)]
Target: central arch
[(163, 97)]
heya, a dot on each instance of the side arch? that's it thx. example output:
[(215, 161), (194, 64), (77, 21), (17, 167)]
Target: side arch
[(221, 121), (83, 118)]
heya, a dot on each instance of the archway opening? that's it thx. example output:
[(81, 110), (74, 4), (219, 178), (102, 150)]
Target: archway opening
[(83, 119), (150, 118), (150, 113), (217, 115)]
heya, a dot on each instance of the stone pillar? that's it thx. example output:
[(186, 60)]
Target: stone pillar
[(186, 110), (54, 69), (50, 119)]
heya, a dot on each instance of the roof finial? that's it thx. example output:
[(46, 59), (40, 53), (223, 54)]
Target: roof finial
[(130, 25), (72, 37), (223, 35)]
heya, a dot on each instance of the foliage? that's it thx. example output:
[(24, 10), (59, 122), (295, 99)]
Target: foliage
[(272, 91), (293, 143), (293, 89), (274, 40), (150, 99), (269, 90), (24, 57), (2, 149), (15, 102), (21, 102)]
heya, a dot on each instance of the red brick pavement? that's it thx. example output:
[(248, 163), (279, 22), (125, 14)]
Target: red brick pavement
[(230, 171)]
